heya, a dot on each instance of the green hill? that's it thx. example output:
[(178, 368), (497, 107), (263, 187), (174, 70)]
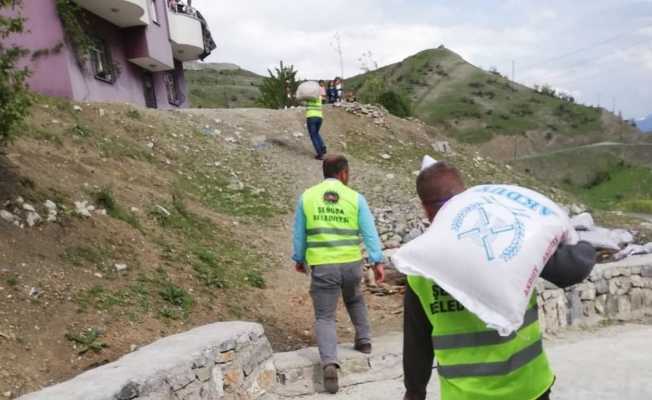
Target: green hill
[(222, 86), (481, 107)]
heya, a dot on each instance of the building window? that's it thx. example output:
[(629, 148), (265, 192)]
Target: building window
[(175, 97), (153, 10), (100, 57)]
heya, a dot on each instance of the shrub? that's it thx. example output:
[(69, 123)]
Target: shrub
[(14, 96), (395, 104)]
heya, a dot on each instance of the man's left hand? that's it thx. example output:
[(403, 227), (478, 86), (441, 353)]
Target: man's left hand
[(379, 272)]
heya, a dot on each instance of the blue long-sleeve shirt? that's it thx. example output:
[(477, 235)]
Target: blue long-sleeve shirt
[(367, 231)]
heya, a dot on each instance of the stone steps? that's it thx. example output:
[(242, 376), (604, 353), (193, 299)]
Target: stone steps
[(299, 373)]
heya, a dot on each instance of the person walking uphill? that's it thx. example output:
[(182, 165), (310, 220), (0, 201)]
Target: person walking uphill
[(329, 219), (314, 120), (474, 362)]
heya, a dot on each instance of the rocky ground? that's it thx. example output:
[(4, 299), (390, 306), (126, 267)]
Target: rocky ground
[(123, 225)]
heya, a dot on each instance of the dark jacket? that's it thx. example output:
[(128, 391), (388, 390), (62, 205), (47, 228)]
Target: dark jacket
[(570, 265)]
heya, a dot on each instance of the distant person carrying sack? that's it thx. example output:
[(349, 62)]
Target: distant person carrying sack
[(330, 218), (311, 93), (474, 362), (314, 120)]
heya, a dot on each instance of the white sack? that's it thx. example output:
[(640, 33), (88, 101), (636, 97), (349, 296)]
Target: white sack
[(583, 222), (487, 247), (600, 238), (633, 250), (308, 90)]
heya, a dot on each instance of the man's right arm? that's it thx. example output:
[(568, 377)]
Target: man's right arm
[(299, 240), (418, 354), (570, 265)]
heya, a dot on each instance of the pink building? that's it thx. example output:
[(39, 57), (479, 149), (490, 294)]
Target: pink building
[(137, 56)]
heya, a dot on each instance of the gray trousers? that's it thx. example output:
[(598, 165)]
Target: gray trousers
[(327, 284)]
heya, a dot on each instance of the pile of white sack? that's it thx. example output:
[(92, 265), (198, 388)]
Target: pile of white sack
[(618, 242)]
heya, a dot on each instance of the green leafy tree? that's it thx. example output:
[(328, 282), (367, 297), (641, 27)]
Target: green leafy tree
[(279, 89), (395, 104), (372, 89), (14, 96)]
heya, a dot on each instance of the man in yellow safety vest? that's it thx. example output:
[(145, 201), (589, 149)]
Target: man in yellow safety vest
[(314, 120), (330, 218), (474, 362)]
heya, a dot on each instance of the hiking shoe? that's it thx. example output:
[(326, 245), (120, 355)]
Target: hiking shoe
[(363, 348), (319, 157), (330, 379)]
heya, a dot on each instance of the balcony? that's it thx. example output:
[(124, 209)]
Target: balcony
[(186, 36), (122, 13)]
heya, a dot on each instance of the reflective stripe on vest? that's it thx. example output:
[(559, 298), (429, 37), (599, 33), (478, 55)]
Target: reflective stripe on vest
[(314, 109), (474, 362), (488, 338), (331, 211)]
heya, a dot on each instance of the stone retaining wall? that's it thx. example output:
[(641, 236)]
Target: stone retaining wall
[(614, 292), (234, 360), (231, 360)]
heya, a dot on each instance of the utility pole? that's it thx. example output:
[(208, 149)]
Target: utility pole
[(337, 45)]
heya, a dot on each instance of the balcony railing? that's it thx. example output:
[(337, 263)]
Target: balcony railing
[(186, 34), (123, 13)]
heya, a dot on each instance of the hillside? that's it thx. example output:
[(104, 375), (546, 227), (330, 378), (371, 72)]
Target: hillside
[(221, 85), (192, 224), (475, 106)]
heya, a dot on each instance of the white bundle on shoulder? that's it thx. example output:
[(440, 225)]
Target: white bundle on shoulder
[(308, 90), (487, 247)]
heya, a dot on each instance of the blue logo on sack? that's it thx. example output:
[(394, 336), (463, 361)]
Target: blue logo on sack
[(495, 227)]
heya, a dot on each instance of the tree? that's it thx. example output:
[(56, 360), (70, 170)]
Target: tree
[(372, 89), (14, 96), (395, 104), (278, 90)]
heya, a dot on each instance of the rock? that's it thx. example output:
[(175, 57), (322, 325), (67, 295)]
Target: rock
[(77, 108), (385, 156), (28, 207), (297, 135), (150, 145), (50, 205), (163, 210), (441, 147), (35, 293), (8, 217), (8, 394), (390, 176), (102, 112), (120, 267), (33, 218), (82, 208)]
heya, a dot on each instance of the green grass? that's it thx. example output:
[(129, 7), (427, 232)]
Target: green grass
[(87, 340), (216, 259), (643, 206), (85, 255), (116, 148), (12, 281), (223, 89), (178, 302), (216, 192), (104, 198), (629, 187)]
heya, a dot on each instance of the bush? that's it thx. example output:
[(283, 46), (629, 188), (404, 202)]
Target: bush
[(395, 104), (14, 96)]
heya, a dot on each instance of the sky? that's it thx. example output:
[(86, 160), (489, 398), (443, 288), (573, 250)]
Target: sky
[(599, 51)]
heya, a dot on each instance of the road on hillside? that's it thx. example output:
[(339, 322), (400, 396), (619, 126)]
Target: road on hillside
[(588, 146), (611, 363)]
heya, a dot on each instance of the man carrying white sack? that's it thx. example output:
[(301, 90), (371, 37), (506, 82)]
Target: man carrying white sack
[(474, 362)]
